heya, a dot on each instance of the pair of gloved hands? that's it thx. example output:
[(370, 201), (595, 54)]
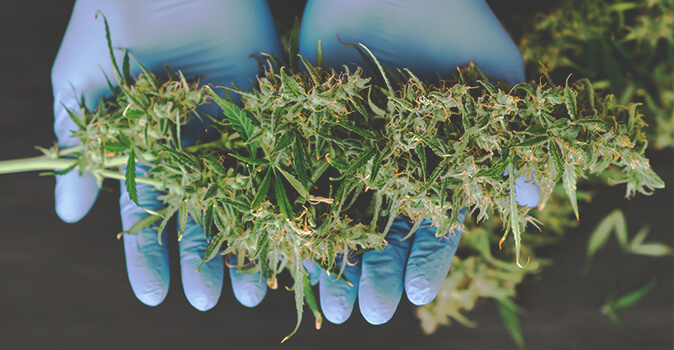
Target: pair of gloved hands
[(215, 38)]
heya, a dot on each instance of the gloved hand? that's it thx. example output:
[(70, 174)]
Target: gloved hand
[(209, 37), (431, 38)]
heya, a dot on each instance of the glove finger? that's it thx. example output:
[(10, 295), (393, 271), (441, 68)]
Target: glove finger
[(429, 261), (202, 288), (313, 270), (337, 297), (527, 191), (381, 282), (74, 195), (146, 260), (249, 288)]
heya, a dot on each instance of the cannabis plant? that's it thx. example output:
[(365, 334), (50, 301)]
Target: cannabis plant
[(319, 162)]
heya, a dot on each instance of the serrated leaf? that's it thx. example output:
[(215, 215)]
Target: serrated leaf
[(634, 296), (262, 249), (182, 214), (311, 70), (298, 274), (75, 118), (319, 55), (652, 249), (294, 46), (215, 165), (557, 159), (282, 199), (283, 142), (262, 191), (116, 71), (602, 232), (236, 116), (511, 322), (570, 100), (530, 143), (183, 159), (296, 184), (362, 132), (253, 161), (61, 172), (208, 221), (301, 162), (569, 182), (213, 249), (130, 177), (116, 147), (421, 154), (439, 170), (211, 191), (311, 301), (515, 225), (357, 163), (126, 69), (145, 222)]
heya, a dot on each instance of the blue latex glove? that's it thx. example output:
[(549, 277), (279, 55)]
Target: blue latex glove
[(210, 37), (431, 38)]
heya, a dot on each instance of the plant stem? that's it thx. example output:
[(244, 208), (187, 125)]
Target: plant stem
[(48, 163), (33, 164)]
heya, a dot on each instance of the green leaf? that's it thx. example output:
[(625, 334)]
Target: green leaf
[(557, 159), (311, 300), (296, 184), (357, 163), (183, 214), (116, 147), (602, 232), (262, 249), (213, 249), (211, 191), (634, 296), (319, 55), (236, 116), (298, 274), (381, 70), (130, 177), (530, 143), (294, 46), (511, 321), (208, 220), (215, 165), (62, 171), (282, 199), (253, 161), (652, 249), (570, 100), (283, 142), (439, 170), (515, 225), (311, 70), (301, 161), (126, 70), (262, 191), (569, 182), (145, 222), (182, 158), (75, 118), (362, 132), (116, 71), (421, 154)]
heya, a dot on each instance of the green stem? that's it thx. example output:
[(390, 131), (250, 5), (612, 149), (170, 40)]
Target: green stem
[(33, 164), (47, 163)]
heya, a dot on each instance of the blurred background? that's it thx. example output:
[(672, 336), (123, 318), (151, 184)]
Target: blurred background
[(64, 286)]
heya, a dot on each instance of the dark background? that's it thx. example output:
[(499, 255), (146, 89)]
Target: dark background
[(64, 286)]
